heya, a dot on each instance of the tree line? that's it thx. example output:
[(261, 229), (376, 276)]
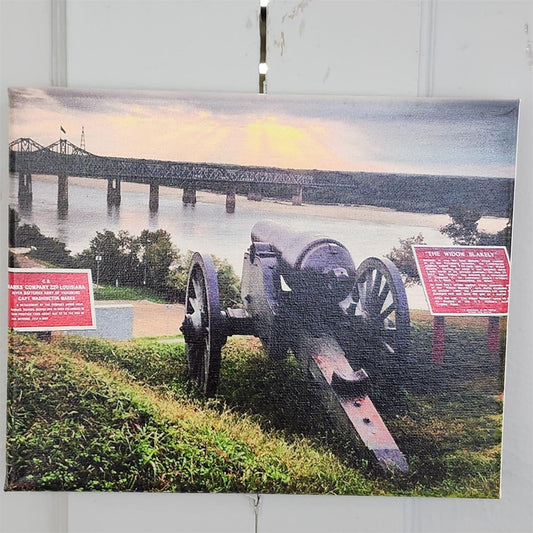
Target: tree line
[(413, 193), (147, 260), (151, 260)]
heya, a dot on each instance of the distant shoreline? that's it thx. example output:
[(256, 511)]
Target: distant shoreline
[(348, 212), (368, 213)]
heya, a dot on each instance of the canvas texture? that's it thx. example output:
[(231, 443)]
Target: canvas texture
[(259, 294)]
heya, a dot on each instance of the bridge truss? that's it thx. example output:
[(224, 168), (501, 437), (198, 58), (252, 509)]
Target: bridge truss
[(65, 158)]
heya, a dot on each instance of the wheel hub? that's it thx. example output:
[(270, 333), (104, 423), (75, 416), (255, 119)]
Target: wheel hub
[(193, 332)]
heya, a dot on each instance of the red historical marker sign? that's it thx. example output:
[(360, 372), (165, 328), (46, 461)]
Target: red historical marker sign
[(464, 280), (50, 299)]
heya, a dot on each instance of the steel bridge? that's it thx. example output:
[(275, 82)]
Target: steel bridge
[(64, 159)]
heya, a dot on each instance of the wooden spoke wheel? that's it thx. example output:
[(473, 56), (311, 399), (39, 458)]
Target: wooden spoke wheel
[(380, 301), (203, 326)]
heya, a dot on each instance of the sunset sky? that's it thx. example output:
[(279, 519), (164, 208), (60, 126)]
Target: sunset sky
[(423, 136)]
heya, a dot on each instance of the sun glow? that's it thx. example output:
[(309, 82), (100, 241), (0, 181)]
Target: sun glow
[(270, 141), (260, 131)]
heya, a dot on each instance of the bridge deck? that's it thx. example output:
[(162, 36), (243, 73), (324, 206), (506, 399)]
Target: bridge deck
[(65, 158)]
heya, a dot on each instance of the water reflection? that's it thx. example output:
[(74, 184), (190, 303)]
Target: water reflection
[(62, 231), (202, 226), (62, 212), (113, 213), (25, 206), (153, 221)]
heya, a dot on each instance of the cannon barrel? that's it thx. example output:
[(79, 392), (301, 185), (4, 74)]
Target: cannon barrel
[(295, 247), (309, 262)]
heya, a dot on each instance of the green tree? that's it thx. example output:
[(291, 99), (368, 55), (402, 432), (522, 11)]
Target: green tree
[(157, 256), (178, 276), (47, 249), (118, 253), (228, 281), (228, 284), (463, 229), (402, 256), (130, 267)]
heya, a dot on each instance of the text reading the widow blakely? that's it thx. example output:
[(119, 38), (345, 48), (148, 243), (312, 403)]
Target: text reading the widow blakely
[(467, 280), (50, 300)]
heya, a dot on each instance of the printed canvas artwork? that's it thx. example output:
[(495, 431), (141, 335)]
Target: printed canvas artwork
[(258, 294)]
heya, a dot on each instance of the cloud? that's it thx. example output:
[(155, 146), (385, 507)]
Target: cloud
[(337, 133)]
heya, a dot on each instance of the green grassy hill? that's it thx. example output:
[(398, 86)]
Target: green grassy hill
[(86, 414)]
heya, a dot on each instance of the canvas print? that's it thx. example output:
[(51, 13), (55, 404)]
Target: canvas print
[(259, 294)]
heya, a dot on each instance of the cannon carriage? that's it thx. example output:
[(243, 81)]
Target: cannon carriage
[(301, 292)]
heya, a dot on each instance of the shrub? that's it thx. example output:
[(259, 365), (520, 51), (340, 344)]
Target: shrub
[(403, 257)]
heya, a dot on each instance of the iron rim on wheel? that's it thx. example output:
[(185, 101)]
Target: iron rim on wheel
[(203, 325), (380, 299)]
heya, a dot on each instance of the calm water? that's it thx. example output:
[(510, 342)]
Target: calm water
[(202, 227)]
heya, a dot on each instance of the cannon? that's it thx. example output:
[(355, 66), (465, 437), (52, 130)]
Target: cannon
[(302, 294)]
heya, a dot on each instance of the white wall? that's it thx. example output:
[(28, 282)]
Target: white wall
[(393, 47)]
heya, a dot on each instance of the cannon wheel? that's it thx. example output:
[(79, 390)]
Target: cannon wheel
[(203, 325), (380, 299)]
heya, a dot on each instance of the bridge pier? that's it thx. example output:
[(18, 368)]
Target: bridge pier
[(25, 193), (230, 198), (154, 198), (62, 194), (297, 195), (113, 192), (189, 195), (255, 193)]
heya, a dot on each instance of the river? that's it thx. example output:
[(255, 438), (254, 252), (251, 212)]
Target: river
[(205, 226)]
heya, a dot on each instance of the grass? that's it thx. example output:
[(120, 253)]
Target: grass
[(110, 292), (87, 414), (76, 424)]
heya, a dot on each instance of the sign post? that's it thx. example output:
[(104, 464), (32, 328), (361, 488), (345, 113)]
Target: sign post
[(437, 353), (464, 281), (50, 299)]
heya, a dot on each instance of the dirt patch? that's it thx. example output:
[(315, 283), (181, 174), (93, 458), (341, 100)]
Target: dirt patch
[(22, 260), (151, 319)]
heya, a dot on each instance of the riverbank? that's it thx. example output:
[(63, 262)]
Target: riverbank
[(366, 213)]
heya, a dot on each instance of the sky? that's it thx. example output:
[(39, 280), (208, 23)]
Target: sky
[(412, 136)]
